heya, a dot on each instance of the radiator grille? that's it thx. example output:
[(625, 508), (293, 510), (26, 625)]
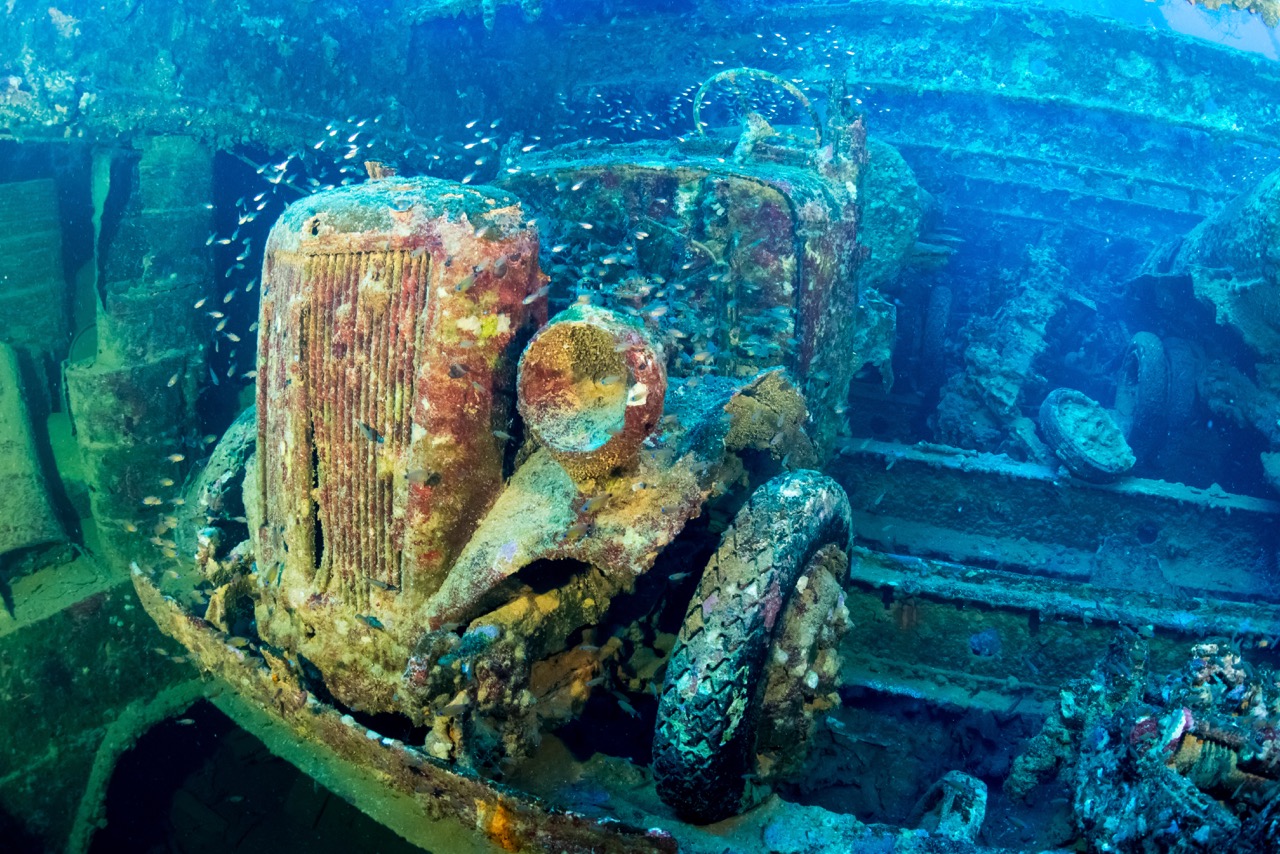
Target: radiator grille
[(362, 330)]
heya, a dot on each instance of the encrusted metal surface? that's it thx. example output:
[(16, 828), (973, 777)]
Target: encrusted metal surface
[(988, 510), (733, 266), (512, 820), (391, 317)]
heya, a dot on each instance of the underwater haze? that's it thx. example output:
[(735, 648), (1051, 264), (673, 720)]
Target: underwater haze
[(640, 426)]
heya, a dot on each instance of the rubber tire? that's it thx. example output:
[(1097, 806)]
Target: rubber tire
[(710, 706), (933, 338), (1185, 359), (1065, 445), (1142, 393)]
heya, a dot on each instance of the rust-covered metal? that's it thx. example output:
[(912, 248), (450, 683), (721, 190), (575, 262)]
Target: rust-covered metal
[(620, 525), (512, 820), (603, 533), (734, 266), (395, 519), (394, 522), (446, 500), (591, 386), (391, 319), (1233, 265)]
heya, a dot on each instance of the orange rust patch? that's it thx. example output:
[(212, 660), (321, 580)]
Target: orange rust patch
[(499, 825)]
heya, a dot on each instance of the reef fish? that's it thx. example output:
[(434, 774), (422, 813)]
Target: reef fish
[(369, 433)]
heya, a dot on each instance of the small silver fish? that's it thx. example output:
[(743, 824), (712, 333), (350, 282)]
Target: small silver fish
[(369, 433), (537, 295), (371, 621), (625, 705), (424, 477)]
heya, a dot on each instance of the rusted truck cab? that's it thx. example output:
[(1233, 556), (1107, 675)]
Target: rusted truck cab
[(453, 499), (740, 250)]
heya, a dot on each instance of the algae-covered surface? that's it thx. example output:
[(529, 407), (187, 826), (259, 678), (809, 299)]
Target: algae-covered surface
[(1090, 433), (533, 425)]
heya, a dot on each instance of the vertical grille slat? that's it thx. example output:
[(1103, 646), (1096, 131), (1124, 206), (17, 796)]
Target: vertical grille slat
[(313, 330), (384, 330), (362, 377), (353, 389), (381, 332), (329, 412), (360, 363), (332, 494), (410, 294)]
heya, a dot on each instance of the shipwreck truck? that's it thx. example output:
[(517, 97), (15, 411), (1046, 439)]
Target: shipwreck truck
[(449, 520)]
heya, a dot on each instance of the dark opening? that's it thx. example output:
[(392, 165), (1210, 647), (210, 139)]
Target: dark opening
[(543, 576), (200, 784), (123, 171), (317, 526), (614, 723), (17, 839), (876, 757)]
